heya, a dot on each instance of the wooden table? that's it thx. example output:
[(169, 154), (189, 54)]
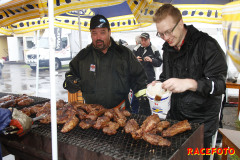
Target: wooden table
[(235, 86), (230, 138)]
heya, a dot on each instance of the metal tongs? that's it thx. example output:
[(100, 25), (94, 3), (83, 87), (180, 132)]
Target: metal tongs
[(14, 129)]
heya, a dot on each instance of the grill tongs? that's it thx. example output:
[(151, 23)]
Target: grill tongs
[(14, 129)]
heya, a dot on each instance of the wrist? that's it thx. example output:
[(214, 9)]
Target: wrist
[(192, 84)]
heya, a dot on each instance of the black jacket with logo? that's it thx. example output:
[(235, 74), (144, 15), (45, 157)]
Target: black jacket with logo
[(106, 79), (154, 54), (202, 59)]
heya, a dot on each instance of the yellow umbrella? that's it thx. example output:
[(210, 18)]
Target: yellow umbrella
[(231, 31), (120, 17)]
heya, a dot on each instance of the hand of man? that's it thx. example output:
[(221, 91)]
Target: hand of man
[(147, 59), (21, 121), (72, 84), (139, 58), (177, 85)]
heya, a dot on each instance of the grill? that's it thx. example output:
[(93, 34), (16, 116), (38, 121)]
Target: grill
[(94, 144), (119, 146), (37, 100)]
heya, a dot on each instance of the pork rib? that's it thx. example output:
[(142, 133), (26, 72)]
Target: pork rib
[(177, 128)]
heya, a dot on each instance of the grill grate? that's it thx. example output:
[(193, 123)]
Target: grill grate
[(120, 145), (37, 100)]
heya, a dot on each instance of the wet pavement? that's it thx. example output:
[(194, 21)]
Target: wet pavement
[(21, 79)]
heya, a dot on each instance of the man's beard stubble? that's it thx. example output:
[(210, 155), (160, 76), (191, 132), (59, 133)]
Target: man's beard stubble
[(100, 47)]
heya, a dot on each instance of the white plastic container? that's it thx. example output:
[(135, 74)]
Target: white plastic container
[(161, 107)]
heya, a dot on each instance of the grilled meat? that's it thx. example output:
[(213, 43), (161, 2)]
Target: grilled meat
[(109, 113), (81, 114), (26, 111), (25, 102), (101, 122), (36, 108), (126, 113), (156, 139), (150, 123), (119, 117), (7, 104), (87, 123), (92, 117), (177, 128), (70, 124), (111, 128), (6, 98), (131, 126)]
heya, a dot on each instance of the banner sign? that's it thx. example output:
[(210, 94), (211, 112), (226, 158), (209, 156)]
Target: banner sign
[(231, 31), (204, 13), (19, 10)]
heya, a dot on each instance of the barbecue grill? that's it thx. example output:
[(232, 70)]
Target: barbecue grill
[(94, 144), (37, 100)]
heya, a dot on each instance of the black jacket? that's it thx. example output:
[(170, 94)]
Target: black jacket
[(111, 75), (200, 58), (153, 53)]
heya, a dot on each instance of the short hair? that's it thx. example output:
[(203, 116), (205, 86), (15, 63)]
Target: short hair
[(167, 10), (138, 39)]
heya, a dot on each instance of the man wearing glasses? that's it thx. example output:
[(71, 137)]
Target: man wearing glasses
[(105, 71), (194, 69)]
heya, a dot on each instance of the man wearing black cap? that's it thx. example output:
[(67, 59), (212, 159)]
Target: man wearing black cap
[(148, 55), (105, 71)]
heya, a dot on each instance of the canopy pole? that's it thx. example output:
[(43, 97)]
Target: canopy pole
[(52, 80), (37, 64), (79, 30)]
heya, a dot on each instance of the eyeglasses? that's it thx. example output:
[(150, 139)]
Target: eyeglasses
[(168, 32)]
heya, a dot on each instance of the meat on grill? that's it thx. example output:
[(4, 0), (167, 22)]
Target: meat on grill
[(109, 113), (177, 128), (87, 123), (7, 104), (81, 114), (26, 111), (155, 139), (6, 98), (111, 128), (70, 124), (36, 108), (119, 117), (11, 101), (101, 122), (125, 112), (131, 126), (25, 102), (160, 126)]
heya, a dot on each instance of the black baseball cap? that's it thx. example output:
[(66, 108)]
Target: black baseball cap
[(145, 35), (99, 21)]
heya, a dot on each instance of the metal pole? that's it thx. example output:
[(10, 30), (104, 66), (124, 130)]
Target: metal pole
[(52, 80), (79, 30), (37, 64)]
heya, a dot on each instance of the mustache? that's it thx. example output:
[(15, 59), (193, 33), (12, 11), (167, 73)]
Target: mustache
[(99, 41)]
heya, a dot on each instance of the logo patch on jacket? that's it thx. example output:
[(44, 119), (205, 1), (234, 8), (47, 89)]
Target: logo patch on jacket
[(92, 67)]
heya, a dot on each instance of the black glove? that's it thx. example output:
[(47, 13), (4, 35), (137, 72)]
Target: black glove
[(72, 84), (144, 107)]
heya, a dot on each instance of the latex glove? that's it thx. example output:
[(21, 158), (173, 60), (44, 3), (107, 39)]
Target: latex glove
[(72, 84), (21, 121)]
